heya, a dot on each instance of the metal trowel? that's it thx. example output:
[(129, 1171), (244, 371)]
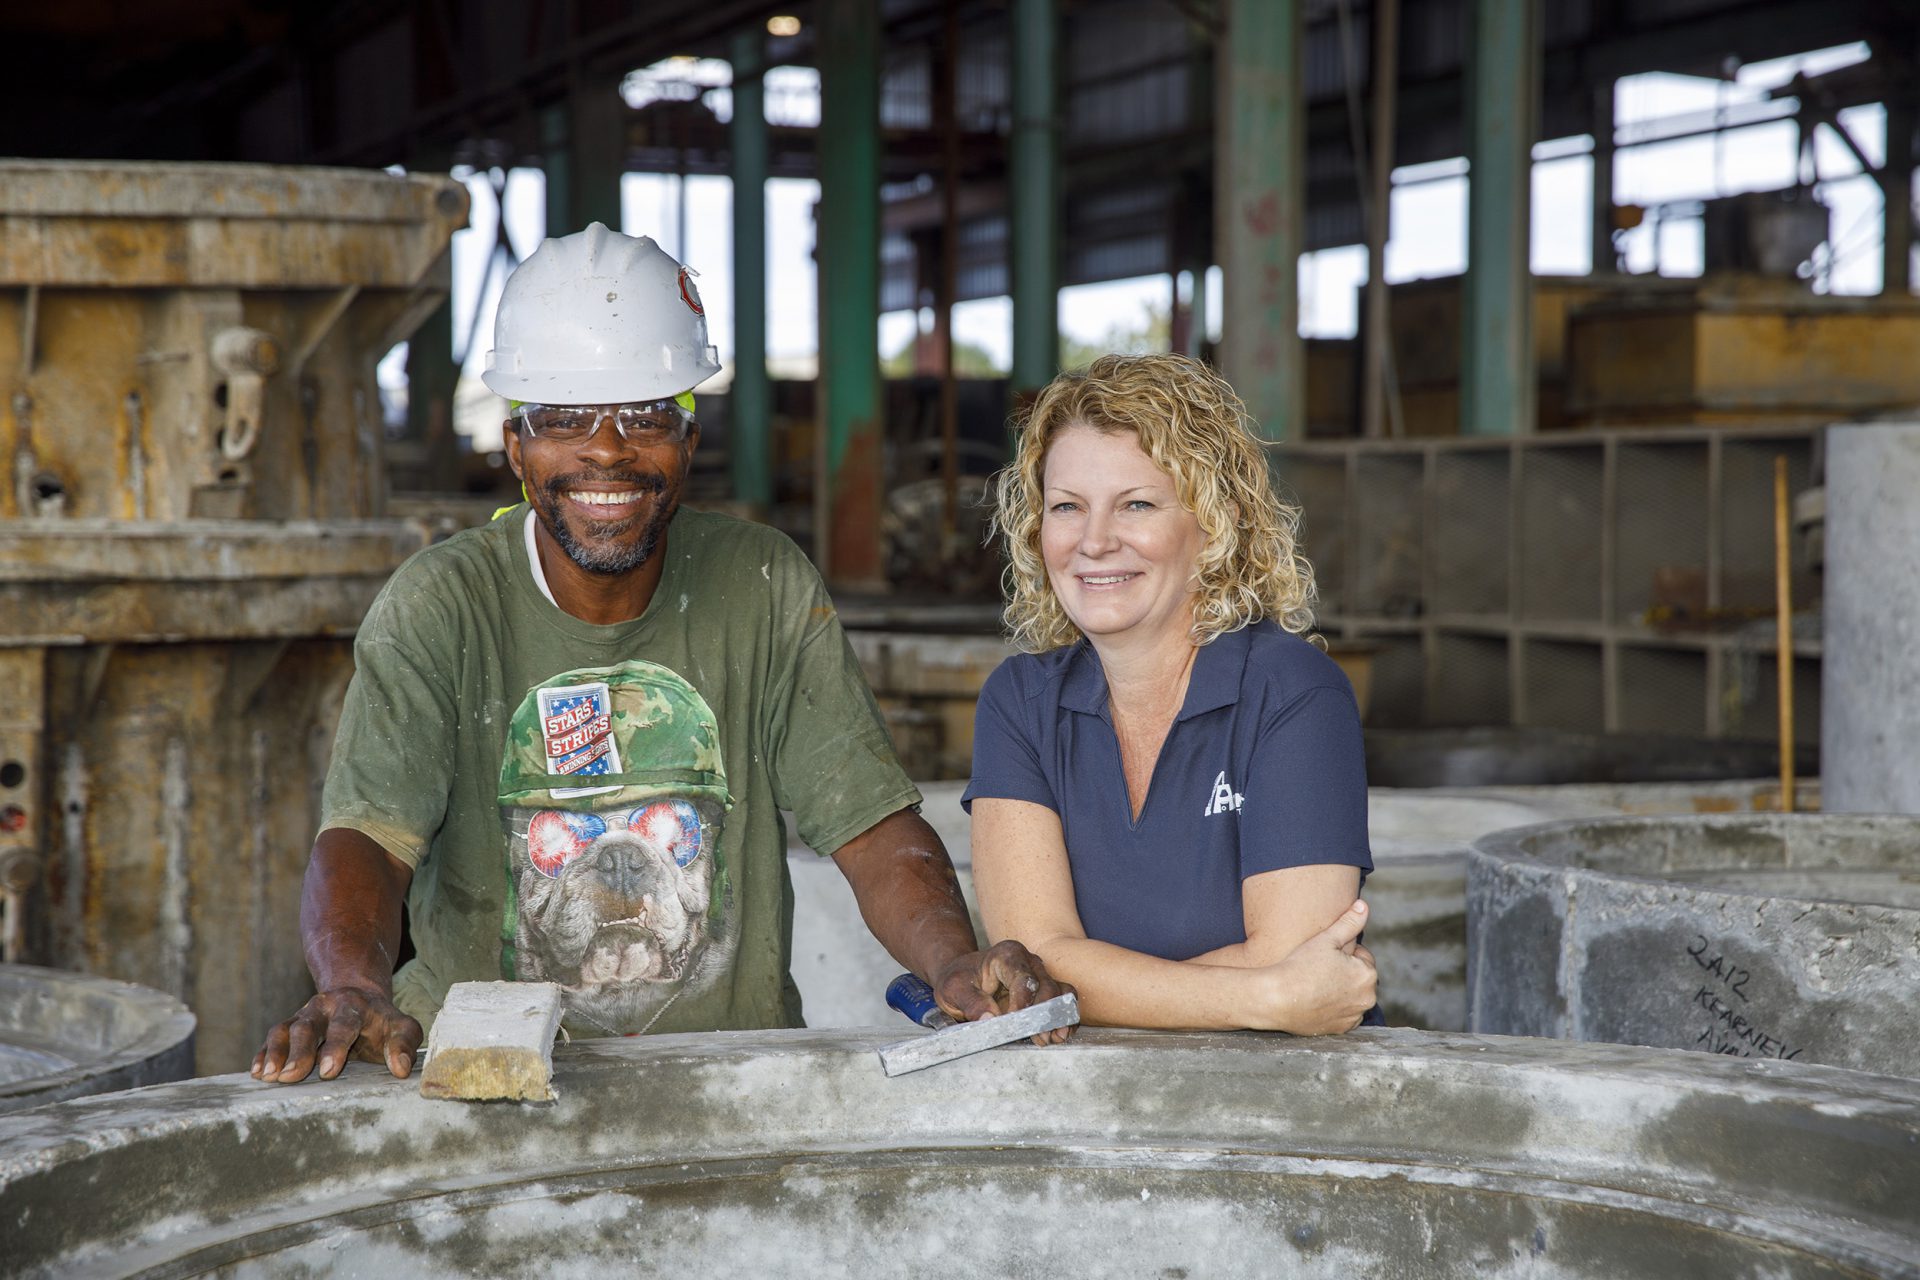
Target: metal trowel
[(951, 1039)]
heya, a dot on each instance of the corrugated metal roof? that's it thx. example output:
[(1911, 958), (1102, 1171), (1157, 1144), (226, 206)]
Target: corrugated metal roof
[(356, 81)]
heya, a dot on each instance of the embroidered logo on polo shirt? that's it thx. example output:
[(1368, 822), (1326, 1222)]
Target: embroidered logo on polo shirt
[(1224, 798)]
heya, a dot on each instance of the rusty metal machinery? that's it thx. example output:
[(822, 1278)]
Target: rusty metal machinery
[(1741, 351), (191, 527)]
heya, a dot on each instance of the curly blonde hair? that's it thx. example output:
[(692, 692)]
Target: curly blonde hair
[(1194, 428)]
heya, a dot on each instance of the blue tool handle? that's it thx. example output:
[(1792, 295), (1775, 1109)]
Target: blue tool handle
[(914, 998)]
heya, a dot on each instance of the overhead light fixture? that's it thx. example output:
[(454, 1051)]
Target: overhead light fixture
[(783, 24)]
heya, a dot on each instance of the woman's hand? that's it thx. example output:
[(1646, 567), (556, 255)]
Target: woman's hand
[(1326, 984)]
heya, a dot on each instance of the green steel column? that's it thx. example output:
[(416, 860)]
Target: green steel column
[(748, 449), (1497, 374), (849, 273), (556, 157), (584, 141), (1034, 227), (599, 152), (1260, 219)]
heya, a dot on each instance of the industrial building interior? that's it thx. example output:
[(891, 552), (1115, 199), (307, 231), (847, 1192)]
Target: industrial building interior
[(1584, 334)]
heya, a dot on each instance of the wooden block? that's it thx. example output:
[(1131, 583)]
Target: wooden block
[(493, 1041)]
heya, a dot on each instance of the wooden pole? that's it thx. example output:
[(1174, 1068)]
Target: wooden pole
[(1783, 590)]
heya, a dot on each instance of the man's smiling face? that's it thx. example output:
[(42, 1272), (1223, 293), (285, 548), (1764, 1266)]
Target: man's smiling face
[(605, 501)]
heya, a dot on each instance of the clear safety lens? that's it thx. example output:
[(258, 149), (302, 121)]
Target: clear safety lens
[(648, 422)]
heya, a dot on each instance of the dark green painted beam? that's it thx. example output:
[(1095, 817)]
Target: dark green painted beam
[(750, 449), (1260, 211), (1497, 374), (848, 512), (1034, 223)]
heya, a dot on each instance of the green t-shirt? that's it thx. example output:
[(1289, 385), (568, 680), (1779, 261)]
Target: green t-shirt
[(461, 638)]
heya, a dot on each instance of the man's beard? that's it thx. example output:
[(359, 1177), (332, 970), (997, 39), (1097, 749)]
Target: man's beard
[(608, 555)]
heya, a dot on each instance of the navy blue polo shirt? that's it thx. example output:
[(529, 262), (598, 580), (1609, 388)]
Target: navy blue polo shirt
[(1262, 769)]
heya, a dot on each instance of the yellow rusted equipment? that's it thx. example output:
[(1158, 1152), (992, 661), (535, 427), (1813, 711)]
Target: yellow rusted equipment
[(1426, 331), (1736, 350), (191, 498)]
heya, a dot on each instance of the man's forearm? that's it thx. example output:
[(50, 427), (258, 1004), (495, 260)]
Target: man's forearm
[(908, 893), (350, 912), (350, 918)]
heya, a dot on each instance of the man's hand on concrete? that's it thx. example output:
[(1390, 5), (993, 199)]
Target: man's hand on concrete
[(1002, 979), (350, 914), (334, 1026)]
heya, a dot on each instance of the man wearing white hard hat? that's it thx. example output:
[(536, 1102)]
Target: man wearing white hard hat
[(571, 732)]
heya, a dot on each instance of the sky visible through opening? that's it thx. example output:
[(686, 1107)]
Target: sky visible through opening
[(691, 218)]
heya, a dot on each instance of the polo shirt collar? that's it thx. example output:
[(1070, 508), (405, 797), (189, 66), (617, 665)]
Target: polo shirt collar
[(1084, 687), (1218, 669)]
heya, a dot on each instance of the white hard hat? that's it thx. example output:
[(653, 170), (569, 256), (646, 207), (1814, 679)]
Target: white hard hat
[(599, 318)]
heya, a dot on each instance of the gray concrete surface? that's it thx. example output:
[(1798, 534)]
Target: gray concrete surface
[(1784, 936), (1380, 1153), (67, 1035), (1418, 893), (1870, 669)]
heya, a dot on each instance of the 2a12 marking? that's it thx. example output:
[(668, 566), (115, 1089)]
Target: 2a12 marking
[(1720, 967)]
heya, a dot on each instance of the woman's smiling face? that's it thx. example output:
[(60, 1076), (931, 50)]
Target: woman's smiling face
[(1119, 548)]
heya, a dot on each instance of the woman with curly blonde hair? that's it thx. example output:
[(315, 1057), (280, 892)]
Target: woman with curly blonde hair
[(1169, 795)]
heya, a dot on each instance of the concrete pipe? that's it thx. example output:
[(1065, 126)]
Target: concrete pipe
[(1786, 936), (1122, 1153), (1870, 669), (65, 1035)]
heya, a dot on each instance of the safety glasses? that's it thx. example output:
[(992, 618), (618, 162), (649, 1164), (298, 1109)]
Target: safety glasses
[(644, 422), (556, 837)]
